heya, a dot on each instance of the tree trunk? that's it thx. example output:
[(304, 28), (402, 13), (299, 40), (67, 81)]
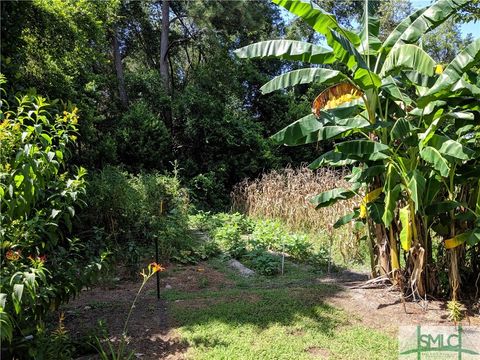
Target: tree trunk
[(164, 44), (117, 58)]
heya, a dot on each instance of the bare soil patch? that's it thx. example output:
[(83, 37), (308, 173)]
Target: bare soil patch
[(382, 307)]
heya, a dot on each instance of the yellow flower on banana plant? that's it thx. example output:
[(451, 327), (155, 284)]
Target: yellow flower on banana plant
[(371, 196), (438, 69)]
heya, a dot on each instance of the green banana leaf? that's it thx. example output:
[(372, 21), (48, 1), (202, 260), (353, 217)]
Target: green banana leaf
[(467, 58), (332, 158), (331, 196), (426, 21), (346, 53), (288, 50), (361, 147), (392, 39), (433, 157), (346, 219), (416, 186), (408, 57), (302, 76), (320, 20)]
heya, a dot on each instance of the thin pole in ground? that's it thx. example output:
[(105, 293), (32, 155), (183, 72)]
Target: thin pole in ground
[(156, 255), (158, 275)]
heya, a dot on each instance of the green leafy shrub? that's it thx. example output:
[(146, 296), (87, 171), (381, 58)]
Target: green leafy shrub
[(299, 247), (140, 137), (137, 209), (263, 262), (270, 233), (42, 263), (229, 238)]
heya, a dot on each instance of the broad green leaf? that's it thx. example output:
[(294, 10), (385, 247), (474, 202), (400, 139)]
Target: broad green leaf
[(297, 130), (467, 58), (288, 50), (391, 197), (408, 57), (392, 192), (370, 26), (18, 180), (303, 76), (346, 219), (432, 156), (449, 147), (389, 85), (17, 297), (400, 29), (332, 158), (345, 52), (361, 147), (416, 186), (401, 129), (320, 20), (406, 233), (331, 196), (474, 237), (367, 173), (426, 21)]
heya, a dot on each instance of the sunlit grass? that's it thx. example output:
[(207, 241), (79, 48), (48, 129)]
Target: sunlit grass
[(273, 318)]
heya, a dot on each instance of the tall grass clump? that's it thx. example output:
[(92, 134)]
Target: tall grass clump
[(284, 195)]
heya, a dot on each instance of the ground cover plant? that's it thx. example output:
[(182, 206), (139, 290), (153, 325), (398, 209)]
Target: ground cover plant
[(412, 128), (259, 243)]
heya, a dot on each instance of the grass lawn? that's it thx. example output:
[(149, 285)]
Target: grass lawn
[(283, 317)]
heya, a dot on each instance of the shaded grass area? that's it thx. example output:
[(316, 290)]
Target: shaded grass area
[(284, 317)]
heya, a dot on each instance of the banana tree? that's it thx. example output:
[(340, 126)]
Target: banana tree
[(406, 127)]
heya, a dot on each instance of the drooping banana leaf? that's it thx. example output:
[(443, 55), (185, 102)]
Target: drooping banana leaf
[(331, 196), (408, 57), (332, 158), (346, 219), (390, 86), (370, 26), (361, 147), (302, 76), (416, 186), (418, 24), (433, 157), (400, 29), (320, 20), (450, 148), (453, 73), (288, 50), (346, 53), (297, 130)]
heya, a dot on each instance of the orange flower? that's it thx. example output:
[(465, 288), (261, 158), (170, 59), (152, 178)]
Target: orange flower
[(13, 255), (156, 267)]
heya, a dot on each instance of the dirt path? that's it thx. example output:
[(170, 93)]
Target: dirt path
[(381, 307)]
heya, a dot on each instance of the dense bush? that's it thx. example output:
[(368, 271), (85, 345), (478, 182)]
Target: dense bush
[(42, 263), (135, 209)]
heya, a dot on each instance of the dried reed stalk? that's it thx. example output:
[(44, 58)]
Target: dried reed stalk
[(285, 195)]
